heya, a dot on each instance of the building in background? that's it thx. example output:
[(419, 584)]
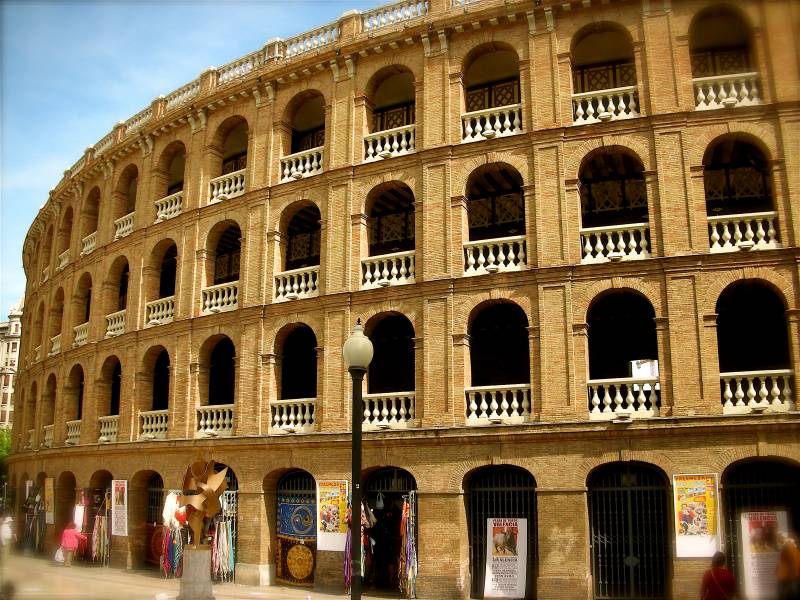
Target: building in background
[(10, 333), (570, 229)]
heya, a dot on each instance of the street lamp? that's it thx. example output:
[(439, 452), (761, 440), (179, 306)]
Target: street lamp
[(357, 354)]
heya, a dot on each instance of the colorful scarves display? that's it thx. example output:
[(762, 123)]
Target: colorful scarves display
[(408, 548), (172, 552), (366, 550), (223, 551), (100, 544)]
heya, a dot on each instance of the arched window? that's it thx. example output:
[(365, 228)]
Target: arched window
[(391, 219), (64, 238), (297, 532), (298, 373), (303, 238), (55, 322), (234, 148), (629, 519), (172, 167), (125, 194), (496, 209), (307, 118), (720, 43), (159, 282), (49, 409), (74, 394), (227, 254), (168, 271), (222, 373), (82, 308), (161, 382), (111, 387), (391, 91), (91, 208), (392, 366)]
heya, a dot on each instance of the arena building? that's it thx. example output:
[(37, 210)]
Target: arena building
[(570, 229)]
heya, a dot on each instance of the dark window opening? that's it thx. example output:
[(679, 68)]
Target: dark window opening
[(306, 140), (303, 244), (736, 179), (299, 365), (116, 390), (227, 257), (391, 222), (605, 76), (237, 162), (87, 306), (390, 117), (161, 382), (169, 265), (496, 205), (221, 377), (498, 343), (493, 95), (612, 191), (392, 366), (719, 44), (122, 299)]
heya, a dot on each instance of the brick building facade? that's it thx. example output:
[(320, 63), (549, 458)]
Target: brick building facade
[(570, 228)]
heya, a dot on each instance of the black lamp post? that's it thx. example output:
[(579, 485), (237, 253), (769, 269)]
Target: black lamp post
[(357, 353)]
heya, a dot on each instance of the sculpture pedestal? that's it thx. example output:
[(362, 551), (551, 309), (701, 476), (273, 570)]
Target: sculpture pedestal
[(196, 578)]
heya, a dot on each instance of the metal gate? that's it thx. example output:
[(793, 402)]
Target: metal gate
[(629, 525), (497, 492), (154, 532), (757, 485), (295, 550)]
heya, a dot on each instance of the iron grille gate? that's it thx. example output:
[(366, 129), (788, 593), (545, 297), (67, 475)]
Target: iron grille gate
[(757, 485), (629, 525), (497, 492)]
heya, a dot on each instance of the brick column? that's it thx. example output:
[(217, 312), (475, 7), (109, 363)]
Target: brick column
[(359, 246), (254, 562), (665, 366), (460, 377), (442, 532), (711, 401)]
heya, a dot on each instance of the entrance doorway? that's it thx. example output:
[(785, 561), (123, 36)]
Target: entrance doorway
[(629, 525), (385, 492), (295, 550)]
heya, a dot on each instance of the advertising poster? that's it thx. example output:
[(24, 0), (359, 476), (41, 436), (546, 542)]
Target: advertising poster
[(80, 510), (49, 501), (761, 548), (696, 502), (331, 511), (506, 558), (119, 507)]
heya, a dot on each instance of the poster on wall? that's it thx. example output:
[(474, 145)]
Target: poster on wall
[(331, 511), (119, 507), (696, 503), (49, 501), (77, 517), (506, 558), (761, 547)]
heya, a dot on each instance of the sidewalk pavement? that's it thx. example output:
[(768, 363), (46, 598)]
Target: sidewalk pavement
[(39, 578)]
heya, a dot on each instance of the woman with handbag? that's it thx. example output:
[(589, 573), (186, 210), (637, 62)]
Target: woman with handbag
[(718, 582), (69, 542)]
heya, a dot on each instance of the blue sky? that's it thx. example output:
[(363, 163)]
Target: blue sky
[(70, 70)]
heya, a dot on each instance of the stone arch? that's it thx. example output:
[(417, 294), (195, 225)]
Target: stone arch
[(391, 306), (650, 290), (467, 310), (283, 324), (761, 135), (590, 464), (402, 60), (772, 278), (116, 284), (484, 42), (226, 126), (465, 168)]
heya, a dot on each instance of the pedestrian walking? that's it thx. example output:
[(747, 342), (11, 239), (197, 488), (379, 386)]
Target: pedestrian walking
[(788, 570), (69, 542), (7, 536), (718, 582)]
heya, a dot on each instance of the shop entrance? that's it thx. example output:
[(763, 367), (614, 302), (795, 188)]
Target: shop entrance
[(386, 492), (629, 524), (295, 550), (154, 530), (223, 529)]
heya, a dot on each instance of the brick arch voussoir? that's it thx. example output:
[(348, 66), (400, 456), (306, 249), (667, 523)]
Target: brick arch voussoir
[(312, 320), (762, 135), (464, 309), (403, 307), (651, 290), (518, 159), (490, 35), (407, 176), (278, 212), (458, 475), (769, 275), (399, 59), (651, 457)]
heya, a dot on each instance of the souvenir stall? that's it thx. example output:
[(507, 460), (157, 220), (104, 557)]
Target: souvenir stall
[(34, 514), (175, 535), (99, 528), (222, 529), (297, 529), (153, 530)]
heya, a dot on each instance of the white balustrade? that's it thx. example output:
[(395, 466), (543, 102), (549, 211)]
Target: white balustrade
[(394, 410), (79, 164), (153, 424), (160, 312), (390, 143), (297, 284), (81, 334), (123, 226), (138, 120), (46, 273), (220, 298), (55, 345), (748, 231), (726, 91), (757, 391), (182, 95), (239, 68), (37, 353), (396, 12), (169, 206), (228, 186), (89, 243), (638, 397), (47, 442), (73, 432), (605, 105), (302, 164), (293, 416), (498, 404), (215, 421), (463, 3), (388, 269), (29, 443), (104, 144), (108, 428), (63, 260), (312, 40), (490, 123), (496, 255), (615, 242), (115, 323)]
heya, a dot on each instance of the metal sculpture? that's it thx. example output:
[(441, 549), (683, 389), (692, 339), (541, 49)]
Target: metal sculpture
[(208, 486)]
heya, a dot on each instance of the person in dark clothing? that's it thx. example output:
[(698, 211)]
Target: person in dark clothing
[(718, 582)]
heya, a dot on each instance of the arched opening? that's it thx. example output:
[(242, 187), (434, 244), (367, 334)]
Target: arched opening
[(159, 281), (234, 146), (96, 500), (222, 373), (768, 485), (153, 395), (500, 492), (49, 411), (303, 238), (38, 332), (391, 91), (390, 494), (65, 499), (125, 192), (227, 246), (629, 518), (720, 43), (623, 346), (298, 364), (390, 225), (161, 382), (46, 254), (167, 272), (56, 322), (499, 358), (30, 415), (74, 395), (116, 297), (753, 348), (169, 175), (306, 114), (145, 531), (82, 310), (91, 208), (392, 367), (64, 237), (496, 213), (223, 529), (111, 388), (296, 540), (491, 77)]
